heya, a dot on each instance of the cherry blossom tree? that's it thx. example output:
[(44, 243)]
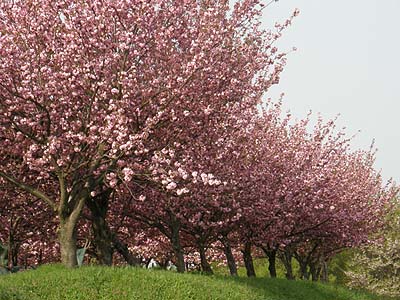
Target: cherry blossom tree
[(26, 229), (144, 118), (90, 89)]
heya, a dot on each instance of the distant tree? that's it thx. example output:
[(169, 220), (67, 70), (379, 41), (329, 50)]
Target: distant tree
[(27, 229), (376, 267)]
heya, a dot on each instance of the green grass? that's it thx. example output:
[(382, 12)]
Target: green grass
[(56, 282)]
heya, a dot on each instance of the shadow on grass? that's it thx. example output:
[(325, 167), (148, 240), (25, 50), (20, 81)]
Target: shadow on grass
[(282, 289), (10, 295)]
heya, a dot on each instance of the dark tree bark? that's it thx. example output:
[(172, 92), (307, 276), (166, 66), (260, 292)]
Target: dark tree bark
[(272, 264), (324, 272), (40, 260), (122, 249), (103, 243), (305, 260), (248, 260), (304, 274), (13, 244), (205, 266), (177, 247), (271, 254), (164, 263), (314, 270), (230, 259), (14, 255), (286, 258)]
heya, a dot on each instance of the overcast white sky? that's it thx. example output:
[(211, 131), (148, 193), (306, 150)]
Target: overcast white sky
[(347, 63)]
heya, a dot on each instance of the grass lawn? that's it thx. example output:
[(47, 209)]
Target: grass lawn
[(56, 282)]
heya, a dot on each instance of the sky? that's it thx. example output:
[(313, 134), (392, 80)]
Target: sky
[(347, 62)]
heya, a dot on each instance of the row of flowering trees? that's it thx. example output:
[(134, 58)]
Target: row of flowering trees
[(136, 125)]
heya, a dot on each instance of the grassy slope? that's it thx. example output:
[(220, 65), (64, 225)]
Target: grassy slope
[(55, 282)]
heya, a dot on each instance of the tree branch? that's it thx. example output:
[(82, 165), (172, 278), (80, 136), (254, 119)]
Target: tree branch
[(29, 189)]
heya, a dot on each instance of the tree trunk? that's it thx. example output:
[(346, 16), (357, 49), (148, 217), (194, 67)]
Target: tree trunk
[(271, 262), (12, 259), (40, 259), (324, 273), (248, 260), (177, 247), (205, 266), (314, 271), (164, 263), (125, 253), (69, 211), (67, 237), (98, 207), (14, 255), (303, 269), (102, 242), (271, 254), (318, 273), (230, 259), (286, 258), (13, 245)]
